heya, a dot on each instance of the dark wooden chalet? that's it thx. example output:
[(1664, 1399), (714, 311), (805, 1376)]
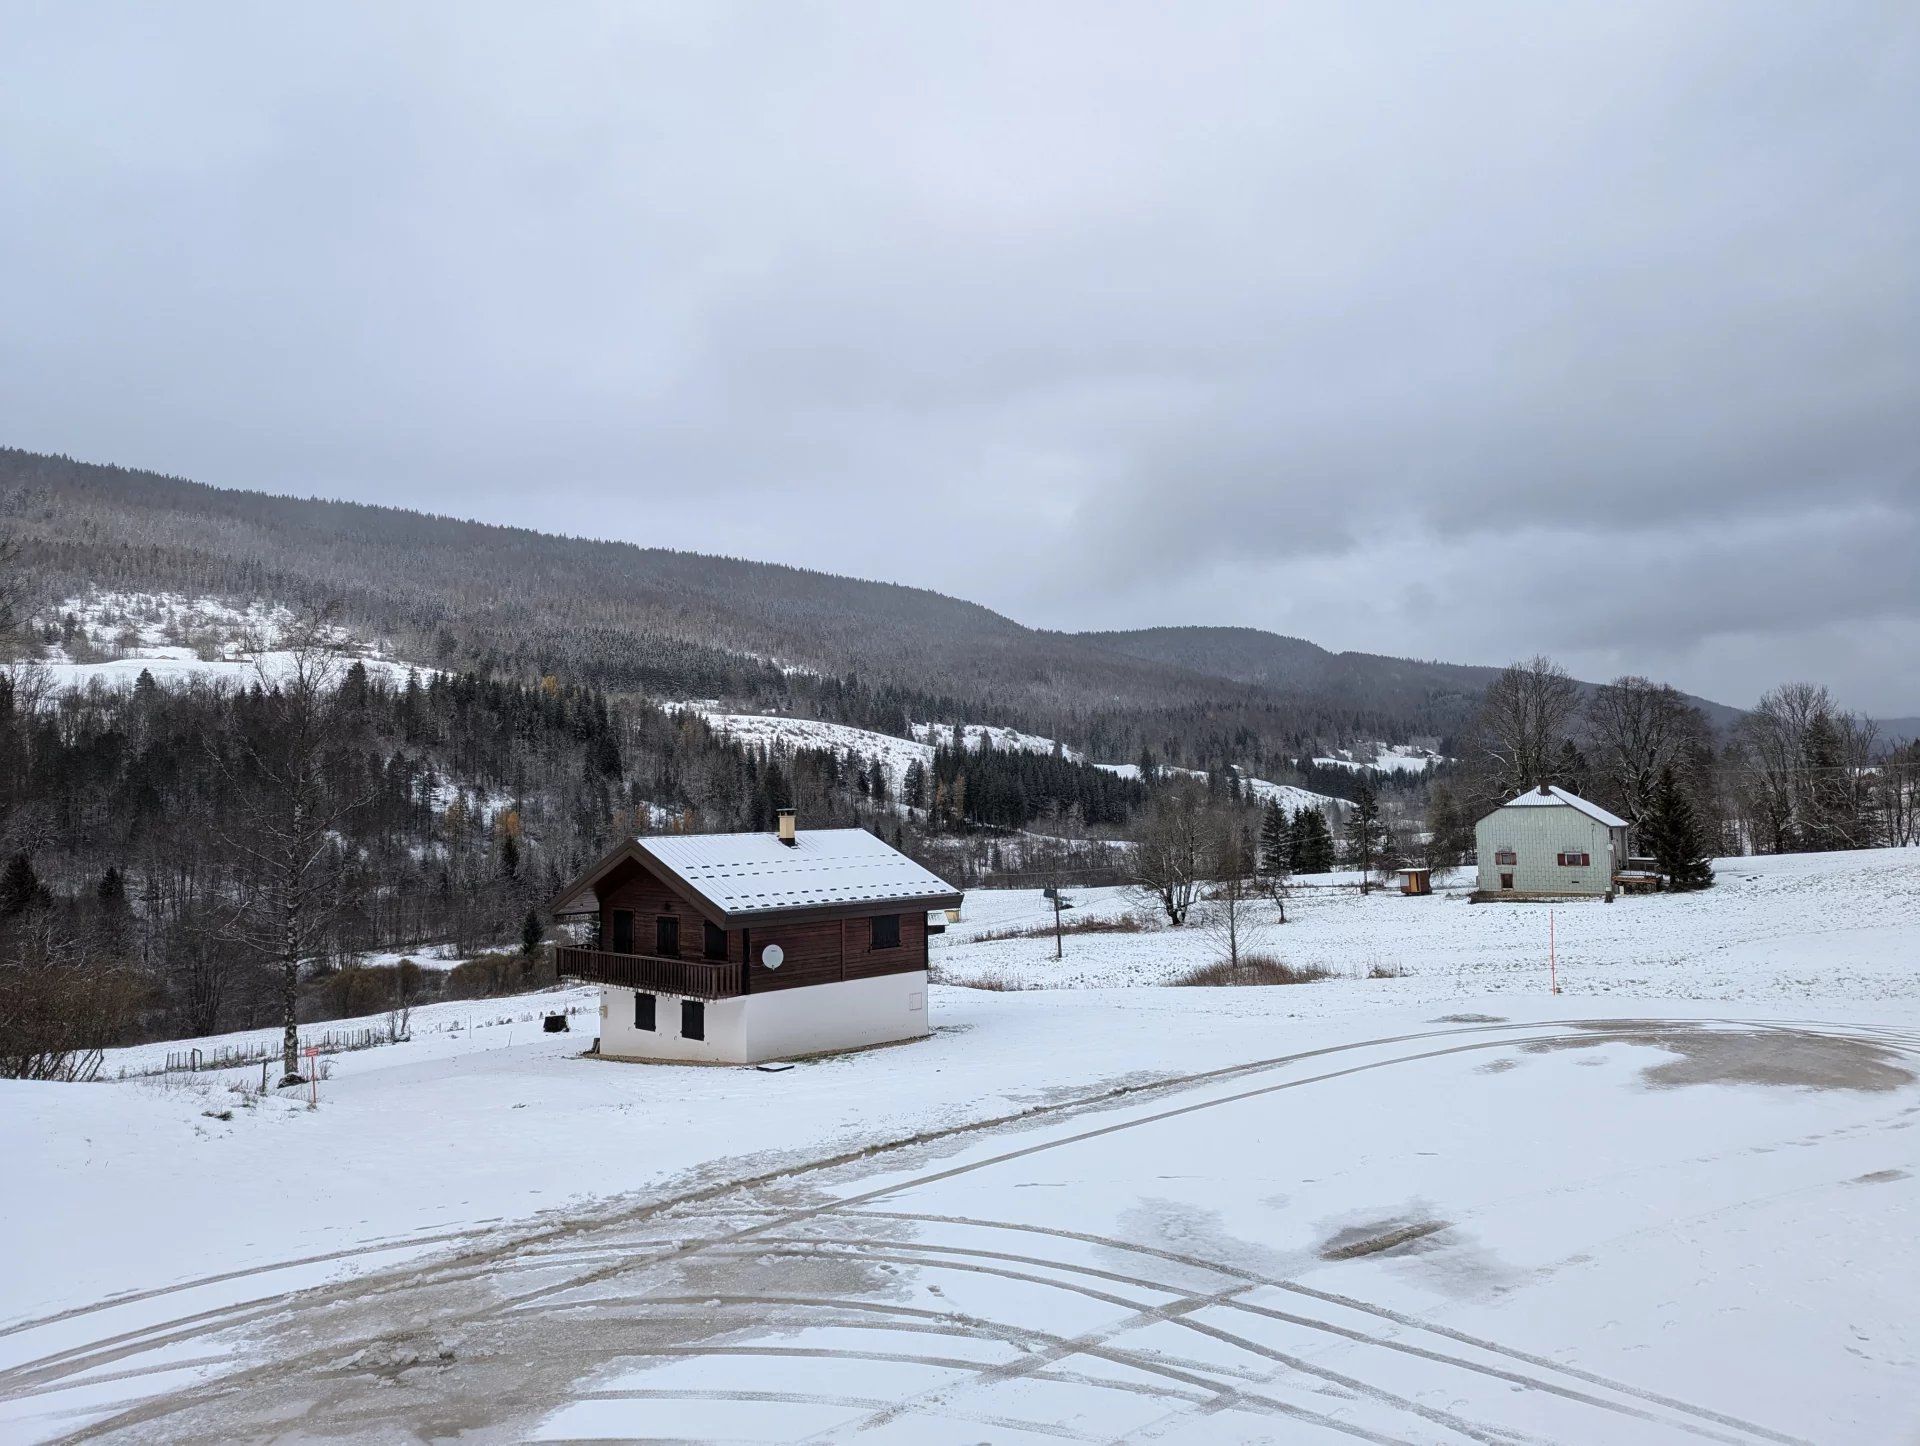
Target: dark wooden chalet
[(726, 916)]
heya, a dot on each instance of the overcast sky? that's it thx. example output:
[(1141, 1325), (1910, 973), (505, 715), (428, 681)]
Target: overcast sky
[(1461, 331)]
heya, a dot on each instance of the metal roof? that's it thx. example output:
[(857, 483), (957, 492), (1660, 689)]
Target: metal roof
[(754, 873), (1556, 796)]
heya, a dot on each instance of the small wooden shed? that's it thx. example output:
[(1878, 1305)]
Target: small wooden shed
[(1417, 880)]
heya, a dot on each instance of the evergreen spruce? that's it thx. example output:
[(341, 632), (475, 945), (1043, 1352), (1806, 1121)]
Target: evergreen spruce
[(1276, 850), (532, 931), (1314, 853), (1365, 834), (1670, 832), (20, 887)]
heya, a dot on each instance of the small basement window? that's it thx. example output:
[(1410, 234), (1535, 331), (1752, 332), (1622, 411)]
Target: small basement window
[(1505, 858), (714, 945), (666, 937), (693, 1019), (1571, 860), (886, 931), (643, 1012)]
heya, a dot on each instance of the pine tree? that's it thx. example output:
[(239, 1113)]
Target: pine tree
[(1297, 842), (1276, 853), (532, 931), (1672, 835), (20, 887), (1314, 852), (1364, 832)]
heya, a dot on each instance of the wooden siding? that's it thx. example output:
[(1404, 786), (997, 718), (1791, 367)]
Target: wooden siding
[(866, 962), (818, 951)]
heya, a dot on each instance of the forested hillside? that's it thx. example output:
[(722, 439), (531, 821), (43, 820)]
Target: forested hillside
[(625, 619), (379, 730)]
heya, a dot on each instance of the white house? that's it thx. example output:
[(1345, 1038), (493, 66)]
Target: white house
[(1549, 843), (734, 948)]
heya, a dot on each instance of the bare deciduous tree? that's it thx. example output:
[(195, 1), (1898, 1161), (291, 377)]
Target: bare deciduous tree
[(1521, 731), (1636, 728), (289, 815), (9, 591), (1171, 858), (1229, 918), (1898, 796), (1804, 772)]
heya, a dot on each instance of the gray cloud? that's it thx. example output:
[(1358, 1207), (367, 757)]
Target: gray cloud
[(1363, 326)]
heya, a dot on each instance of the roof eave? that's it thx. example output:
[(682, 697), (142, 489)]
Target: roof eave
[(853, 909)]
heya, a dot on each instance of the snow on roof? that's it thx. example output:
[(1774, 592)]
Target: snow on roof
[(754, 873), (1555, 796)]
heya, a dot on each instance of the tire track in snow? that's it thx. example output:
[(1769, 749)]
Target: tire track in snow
[(1508, 1034), (1185, 1303)]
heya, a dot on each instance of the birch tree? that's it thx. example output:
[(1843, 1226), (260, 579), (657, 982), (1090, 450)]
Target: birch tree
[(287, 818)]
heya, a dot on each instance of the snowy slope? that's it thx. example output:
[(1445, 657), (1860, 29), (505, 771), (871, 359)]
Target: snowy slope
[(1287, 795), (1007, 740), (1445, 1207), (180, 639), (784, 733), (1385, 758)]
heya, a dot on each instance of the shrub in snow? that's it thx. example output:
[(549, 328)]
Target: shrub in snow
[(1252, 969)]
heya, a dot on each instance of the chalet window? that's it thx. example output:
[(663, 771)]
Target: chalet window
[(693, 1019), (666, 937), (1505, 858), (715, 943), (643, 1012), (623, 931), (886, 931), (1571, 860)]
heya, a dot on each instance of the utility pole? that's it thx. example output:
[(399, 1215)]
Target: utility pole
[(1052, 894)]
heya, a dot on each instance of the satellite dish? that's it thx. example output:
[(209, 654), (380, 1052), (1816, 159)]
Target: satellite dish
[(773, 956)]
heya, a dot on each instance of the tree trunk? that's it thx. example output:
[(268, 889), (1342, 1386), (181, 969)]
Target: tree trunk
[(290, 995)]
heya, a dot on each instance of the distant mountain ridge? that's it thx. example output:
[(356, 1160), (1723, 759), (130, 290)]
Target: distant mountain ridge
[(456, 593), (1273, 660)]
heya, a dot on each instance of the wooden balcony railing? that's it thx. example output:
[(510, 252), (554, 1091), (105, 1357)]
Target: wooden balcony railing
[(691, 978)]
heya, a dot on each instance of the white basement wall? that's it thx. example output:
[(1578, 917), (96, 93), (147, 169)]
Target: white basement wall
[(782, 1024)]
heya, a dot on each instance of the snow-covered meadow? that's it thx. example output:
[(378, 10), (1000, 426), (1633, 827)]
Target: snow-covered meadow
[(178, 639), (1807, 926), (1674, 1201), (780, 732)]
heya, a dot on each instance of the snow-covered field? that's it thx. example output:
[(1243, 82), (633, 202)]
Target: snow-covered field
[(1007, 740), (1385, 758), (779, 732), (1673, 1203), (180, 639), (782, 733), (1289, 796), (1810, 926)]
